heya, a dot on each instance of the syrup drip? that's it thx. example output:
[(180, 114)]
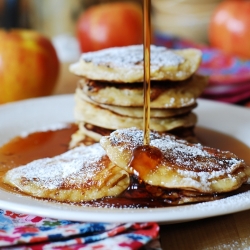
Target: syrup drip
[(145, 160), (146, 50)]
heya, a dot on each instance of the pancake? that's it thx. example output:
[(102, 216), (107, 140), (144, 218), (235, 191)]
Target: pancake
[(93, 131), (88, 134), (170, 196), (97, 115), (133, 111), (125, 64), (97, 132), (79, 139), (174, 163), (164, 94), (81, 174)]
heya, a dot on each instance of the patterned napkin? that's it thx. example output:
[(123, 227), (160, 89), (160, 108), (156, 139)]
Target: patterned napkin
[(28, 232), (229, 76)]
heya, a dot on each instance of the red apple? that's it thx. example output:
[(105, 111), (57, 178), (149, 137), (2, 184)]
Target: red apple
[(29, 66), (110, 25), (230, 27)]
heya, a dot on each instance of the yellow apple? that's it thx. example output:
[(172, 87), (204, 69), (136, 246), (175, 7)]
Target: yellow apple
[(29, 66)]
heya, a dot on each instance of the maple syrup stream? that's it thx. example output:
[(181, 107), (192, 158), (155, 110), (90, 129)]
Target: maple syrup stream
[(146, 158), (146, 86)]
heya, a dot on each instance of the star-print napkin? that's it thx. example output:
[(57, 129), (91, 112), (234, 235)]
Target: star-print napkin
[(28, 232), (229, 76)]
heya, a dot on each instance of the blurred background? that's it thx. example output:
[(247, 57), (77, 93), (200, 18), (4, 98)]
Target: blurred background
[(175, 24), (185, 18), (51, 17)]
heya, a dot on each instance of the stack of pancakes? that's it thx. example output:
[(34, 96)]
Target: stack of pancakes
[(109, 95)]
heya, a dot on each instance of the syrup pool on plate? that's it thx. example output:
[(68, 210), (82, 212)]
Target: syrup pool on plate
[(21, 150)]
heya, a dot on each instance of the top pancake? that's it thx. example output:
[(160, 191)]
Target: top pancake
[(125, 64)]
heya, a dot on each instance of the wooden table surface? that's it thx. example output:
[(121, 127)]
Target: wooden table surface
[(228, 232)]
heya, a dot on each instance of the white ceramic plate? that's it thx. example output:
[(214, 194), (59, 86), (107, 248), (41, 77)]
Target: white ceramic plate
[(37, 114)]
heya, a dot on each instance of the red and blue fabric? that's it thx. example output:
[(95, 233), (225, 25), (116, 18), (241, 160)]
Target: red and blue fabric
[(28, 232)]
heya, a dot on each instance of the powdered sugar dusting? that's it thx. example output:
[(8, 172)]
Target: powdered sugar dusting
[(196, 157), (129, 138), (133, 56), (51, 173)]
